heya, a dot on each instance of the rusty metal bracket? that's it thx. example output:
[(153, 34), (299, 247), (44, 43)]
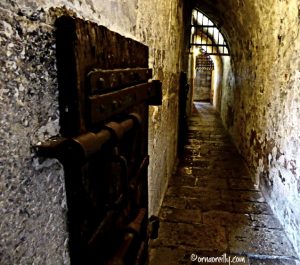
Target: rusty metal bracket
[(131, 232), (103, 81), (81, 147), (51, 148), (153, 227), (110, 104)]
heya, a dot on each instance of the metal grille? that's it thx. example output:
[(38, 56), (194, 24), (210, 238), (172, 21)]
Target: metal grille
[(204, 62), (206, 35)]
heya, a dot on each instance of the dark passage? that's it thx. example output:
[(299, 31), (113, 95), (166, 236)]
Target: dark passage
[(212, 207)]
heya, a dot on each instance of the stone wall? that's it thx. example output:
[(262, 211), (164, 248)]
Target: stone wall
[(32, 196), (217, 80), (260, 105), (164, 35)]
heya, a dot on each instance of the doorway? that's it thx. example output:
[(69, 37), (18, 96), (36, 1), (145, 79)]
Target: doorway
[(203, 78), (208, 49)]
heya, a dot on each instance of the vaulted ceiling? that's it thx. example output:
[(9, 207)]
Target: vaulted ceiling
[(236, 19)]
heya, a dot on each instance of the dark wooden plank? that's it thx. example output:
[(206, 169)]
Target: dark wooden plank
[(81, 47)]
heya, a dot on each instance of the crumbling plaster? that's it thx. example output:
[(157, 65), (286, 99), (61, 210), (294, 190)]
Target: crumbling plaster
[(32, 196)]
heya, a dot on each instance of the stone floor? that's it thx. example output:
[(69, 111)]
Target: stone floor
[(212, 208)]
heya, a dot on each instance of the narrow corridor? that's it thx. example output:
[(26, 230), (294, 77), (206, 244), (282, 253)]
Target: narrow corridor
[(212, 208)]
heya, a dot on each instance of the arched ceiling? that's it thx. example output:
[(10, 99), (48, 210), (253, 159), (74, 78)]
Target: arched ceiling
[(234, 18), (211, 9)]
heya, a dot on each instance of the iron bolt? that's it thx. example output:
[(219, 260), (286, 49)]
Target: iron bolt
[(101, 82), (115, 104)]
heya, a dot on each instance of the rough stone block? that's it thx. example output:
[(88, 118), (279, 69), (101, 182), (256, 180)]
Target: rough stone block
[(257, 261), (200, 236), (263, 220), (174, 202), (260, 241), (252, 207), (192, 192), (168, 256), (226, 218), (242, 184), (212, 204), (242, 195), (188, 216)]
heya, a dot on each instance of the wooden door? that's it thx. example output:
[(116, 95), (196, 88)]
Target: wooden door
[(104, 94)]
